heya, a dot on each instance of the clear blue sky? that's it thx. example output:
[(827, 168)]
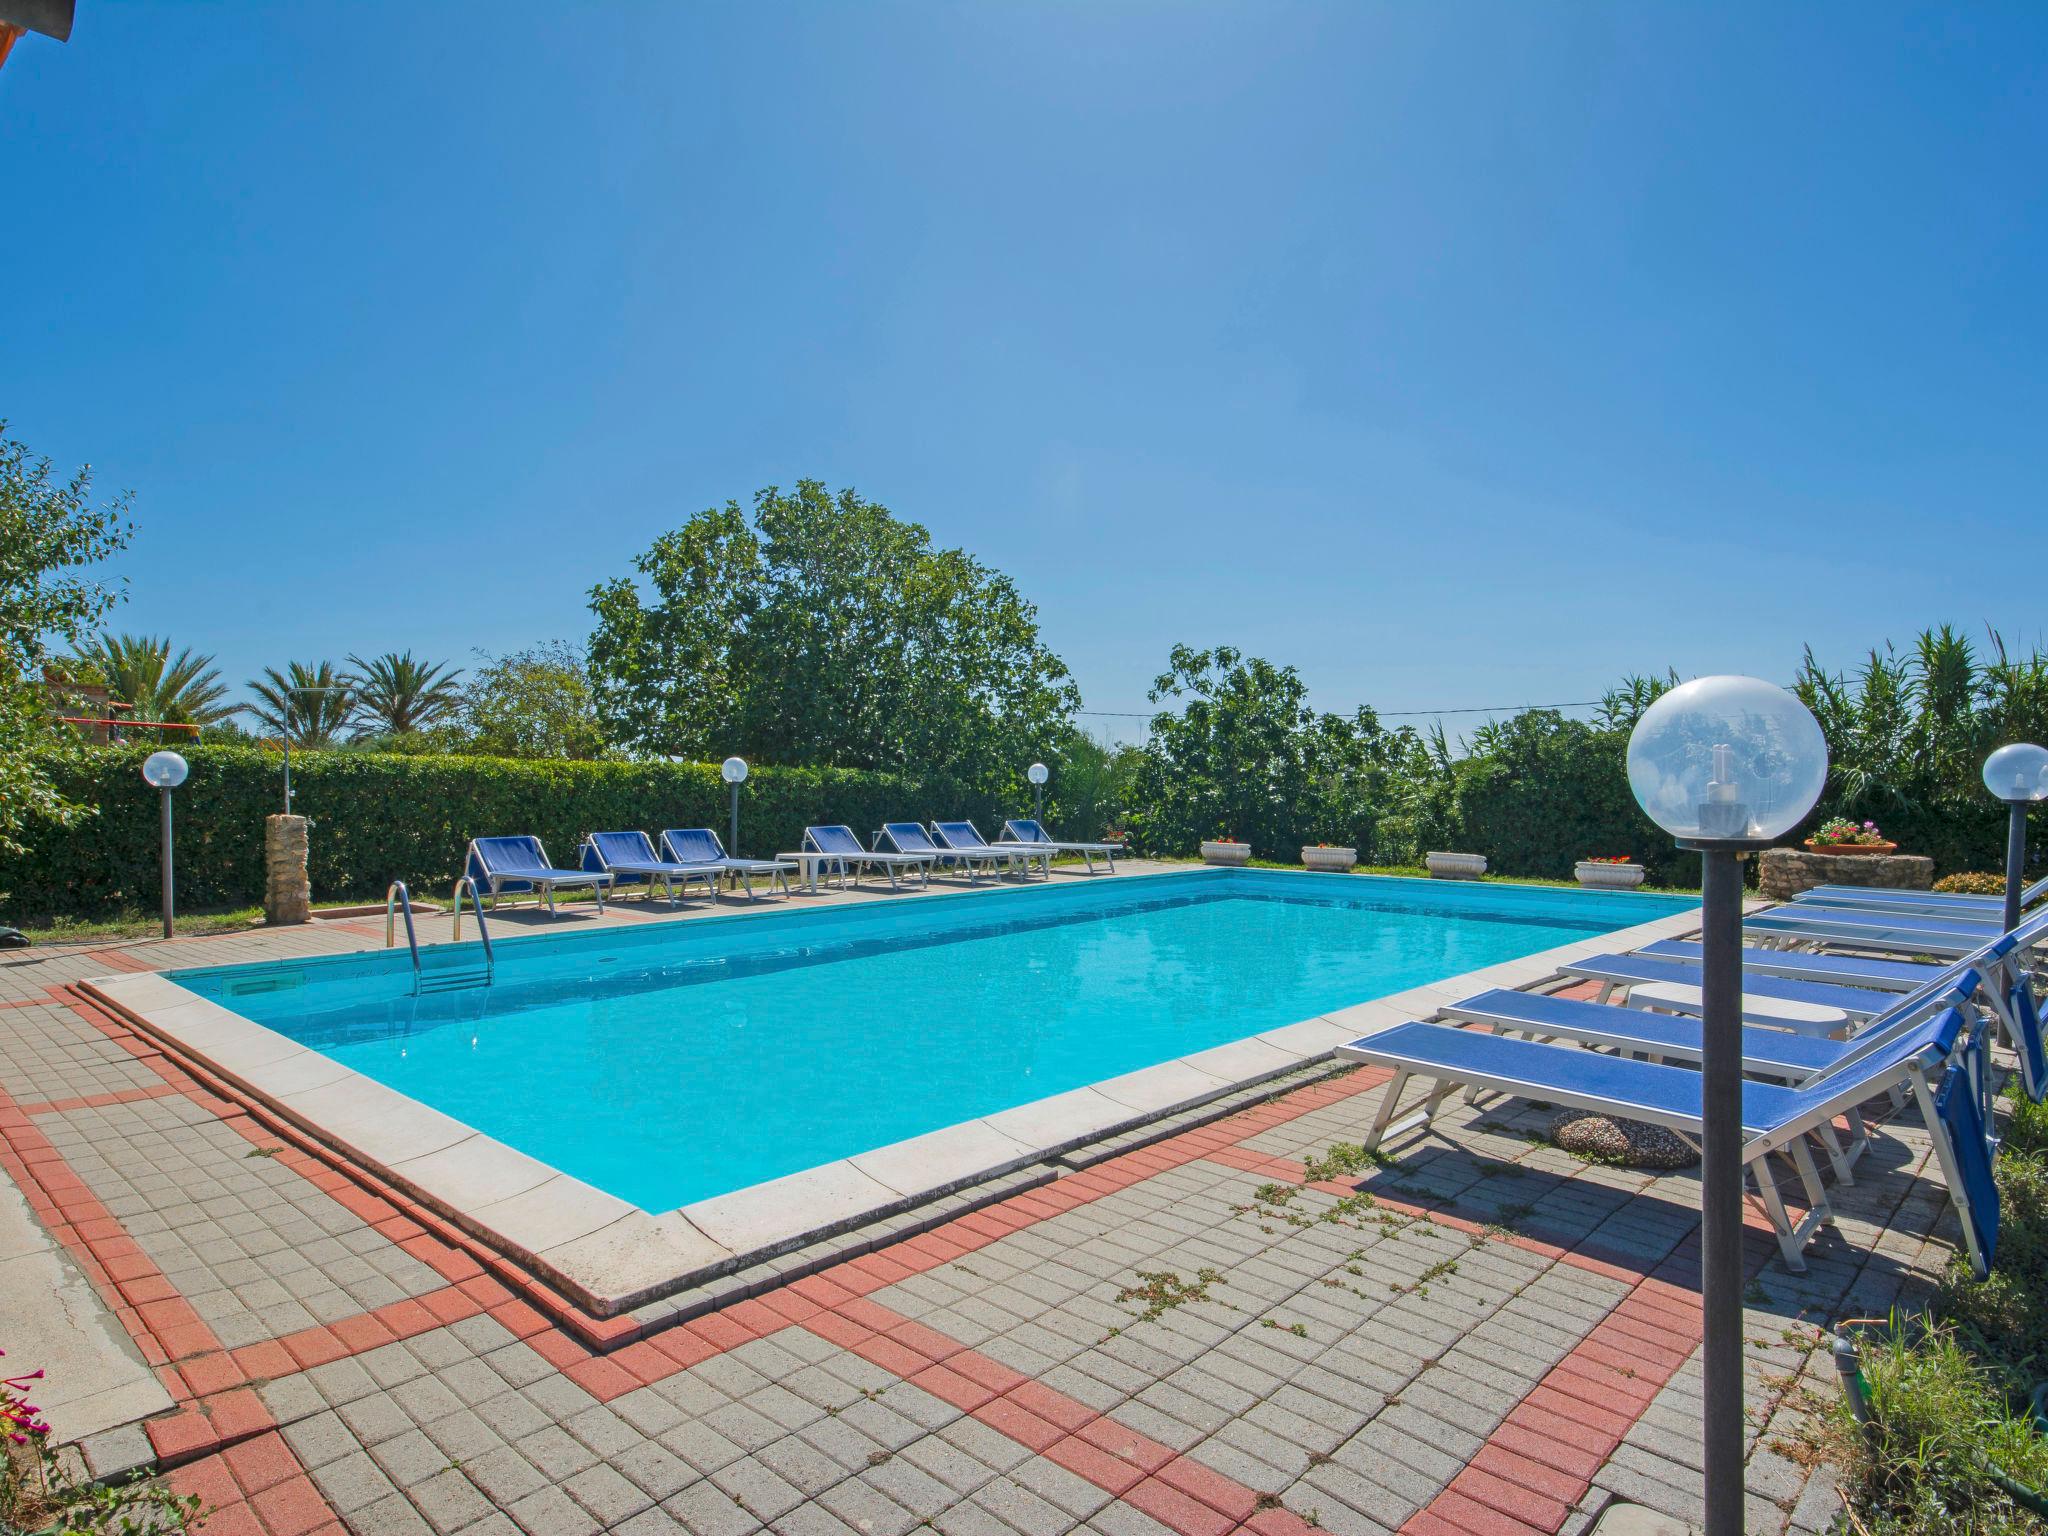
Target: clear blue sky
[(1457, 354)]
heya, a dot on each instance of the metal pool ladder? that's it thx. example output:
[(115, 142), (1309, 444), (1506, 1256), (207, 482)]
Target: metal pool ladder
[(398, 900)]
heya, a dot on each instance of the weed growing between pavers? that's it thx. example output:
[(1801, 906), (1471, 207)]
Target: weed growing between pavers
[(1949, 1393), (1342, 1160), (1162, 1290), (1419, 1286)]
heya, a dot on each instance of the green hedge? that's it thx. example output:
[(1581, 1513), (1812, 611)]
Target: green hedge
[(380, 817)]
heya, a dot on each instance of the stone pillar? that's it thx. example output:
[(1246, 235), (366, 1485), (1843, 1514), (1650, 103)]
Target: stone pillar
[(287, 892), (1784, 872)]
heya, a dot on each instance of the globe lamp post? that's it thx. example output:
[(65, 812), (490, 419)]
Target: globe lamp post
[(2018, 775), (165, 771), (1038, 773), (1726, 765), (735, 774)]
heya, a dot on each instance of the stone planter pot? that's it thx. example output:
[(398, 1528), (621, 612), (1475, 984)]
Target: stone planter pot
[(1226, 853), (1608, 877), (1342, 860), (1853, 850), (1455, 866)]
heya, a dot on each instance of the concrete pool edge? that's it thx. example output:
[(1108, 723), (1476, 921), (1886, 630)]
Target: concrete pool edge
[(610, 1257)]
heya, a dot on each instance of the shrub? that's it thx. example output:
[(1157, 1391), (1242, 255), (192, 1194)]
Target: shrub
[(1972, 883), (379, 817), (1949, 1398), (1936, 1417)]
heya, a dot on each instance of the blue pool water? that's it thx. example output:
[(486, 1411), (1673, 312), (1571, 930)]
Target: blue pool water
[(673, 1061)]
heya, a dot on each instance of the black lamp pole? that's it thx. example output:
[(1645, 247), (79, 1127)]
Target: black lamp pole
[(2015, 861), (1721, 1173), (164, 794)]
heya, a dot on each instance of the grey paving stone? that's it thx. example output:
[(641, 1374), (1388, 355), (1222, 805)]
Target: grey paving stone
[(551, 1512), (758, 1489), (504, 1475), (705, 1510), (450, 1502), (394, 1515), (352, 1483), (609, 1496)]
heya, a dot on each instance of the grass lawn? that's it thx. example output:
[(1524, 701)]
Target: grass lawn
[(128, 925)]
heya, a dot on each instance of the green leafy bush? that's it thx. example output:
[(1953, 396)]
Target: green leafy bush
[(1950, 1394), (1972, 883), (1937, 1417), (1540, 792), (379, 817)]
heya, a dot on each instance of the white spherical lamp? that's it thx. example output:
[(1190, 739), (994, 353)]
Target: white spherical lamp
[(2017, 774), (1727, 759), (735, 770), (164, 770), (1038, 773)]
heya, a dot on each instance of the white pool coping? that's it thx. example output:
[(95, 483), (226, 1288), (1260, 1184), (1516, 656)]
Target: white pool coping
[(610, 1256)]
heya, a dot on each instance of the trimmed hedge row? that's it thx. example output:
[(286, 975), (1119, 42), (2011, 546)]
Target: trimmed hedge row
[(380, 817)]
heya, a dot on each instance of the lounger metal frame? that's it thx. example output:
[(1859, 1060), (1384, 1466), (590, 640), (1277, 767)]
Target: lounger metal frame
[(860, 858), (1788, 1140), (1013, 833), (742, 869), (542, 879), (1026, 854), (649, 870)]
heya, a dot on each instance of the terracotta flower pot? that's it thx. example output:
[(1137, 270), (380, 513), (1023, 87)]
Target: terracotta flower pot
[(1852, 848)]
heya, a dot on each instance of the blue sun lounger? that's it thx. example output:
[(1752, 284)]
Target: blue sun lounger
[(2025, 1022), (1887, 933), (700, 845), (1623, 973), (851, 858), (964, 837), (1982, 929), (1803, 965), (629, 858), (1999, 962), (509, 865), (909, 837), (1931, 903), (1962, 1145), (1775, 1119), (1776, 1054), (1030, 834)]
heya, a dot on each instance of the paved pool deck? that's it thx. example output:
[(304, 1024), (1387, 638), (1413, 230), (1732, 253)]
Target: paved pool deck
[(1187, 1328)]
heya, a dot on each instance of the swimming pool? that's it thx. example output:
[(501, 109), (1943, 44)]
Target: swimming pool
[(677, 1061)]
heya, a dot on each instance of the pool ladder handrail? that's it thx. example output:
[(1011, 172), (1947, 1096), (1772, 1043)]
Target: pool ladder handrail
[(483, 930), (398, 899), (458, 978)]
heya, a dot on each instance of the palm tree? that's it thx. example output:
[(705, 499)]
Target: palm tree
[(315, 703), (140, 671), (399, 694)]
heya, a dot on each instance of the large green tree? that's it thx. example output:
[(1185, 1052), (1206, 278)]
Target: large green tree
[(140, 671), (315, 702), (822, 629), (51, 534), (1244, 755), (400, 695), (533, 703)]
